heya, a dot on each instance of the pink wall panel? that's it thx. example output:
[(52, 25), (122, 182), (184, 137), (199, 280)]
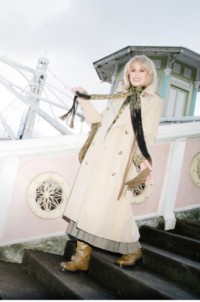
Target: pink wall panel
[(21, 222), (188, 194)]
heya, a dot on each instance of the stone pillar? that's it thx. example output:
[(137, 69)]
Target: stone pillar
[(194, 97)]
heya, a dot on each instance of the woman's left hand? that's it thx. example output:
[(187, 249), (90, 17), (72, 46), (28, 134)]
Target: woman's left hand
[(145, 164)]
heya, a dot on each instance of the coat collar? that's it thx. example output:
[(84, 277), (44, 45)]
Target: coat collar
[(149, 89)]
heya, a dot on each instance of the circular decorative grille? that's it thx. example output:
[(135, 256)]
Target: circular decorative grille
[(195, 169), (47, 195)]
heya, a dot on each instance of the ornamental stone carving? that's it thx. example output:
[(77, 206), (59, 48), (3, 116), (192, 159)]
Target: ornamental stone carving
[(195, 169)]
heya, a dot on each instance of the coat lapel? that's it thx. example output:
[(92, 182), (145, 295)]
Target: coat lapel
[(124, 116)]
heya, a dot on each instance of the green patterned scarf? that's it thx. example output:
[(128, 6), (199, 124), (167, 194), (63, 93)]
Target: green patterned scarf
[(133, 100)]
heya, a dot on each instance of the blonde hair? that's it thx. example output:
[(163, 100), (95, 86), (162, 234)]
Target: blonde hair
[(145, 63)]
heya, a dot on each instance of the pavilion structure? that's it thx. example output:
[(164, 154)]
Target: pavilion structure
[(178, 71)]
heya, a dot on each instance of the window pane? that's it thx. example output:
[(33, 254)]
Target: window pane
[(180, 103)]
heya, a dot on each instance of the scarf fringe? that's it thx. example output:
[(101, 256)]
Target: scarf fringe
[(71, 113)]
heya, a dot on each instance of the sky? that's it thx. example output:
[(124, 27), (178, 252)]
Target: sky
[(73, 34)]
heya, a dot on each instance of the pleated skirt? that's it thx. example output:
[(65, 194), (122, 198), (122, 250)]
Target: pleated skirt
[(102, 243)]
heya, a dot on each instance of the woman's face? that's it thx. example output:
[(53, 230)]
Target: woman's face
[(138, 75)]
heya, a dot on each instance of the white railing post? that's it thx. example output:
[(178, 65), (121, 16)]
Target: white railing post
[(171, 183)]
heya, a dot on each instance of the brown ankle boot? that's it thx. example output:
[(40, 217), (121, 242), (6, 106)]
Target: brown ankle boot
[(129, 259), (80, 261)]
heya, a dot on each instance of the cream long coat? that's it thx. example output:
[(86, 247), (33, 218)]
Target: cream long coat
[(93, 203)]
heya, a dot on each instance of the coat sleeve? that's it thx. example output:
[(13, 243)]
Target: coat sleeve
[(91, 114)]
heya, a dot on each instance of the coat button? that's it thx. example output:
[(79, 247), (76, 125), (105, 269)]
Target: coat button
[(120, 152), (86, 162), (113, 173), (126, 131)]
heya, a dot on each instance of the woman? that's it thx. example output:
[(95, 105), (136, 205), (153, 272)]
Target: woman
[(116, 164)]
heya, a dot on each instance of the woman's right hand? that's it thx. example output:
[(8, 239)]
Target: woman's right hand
[(80, 89)]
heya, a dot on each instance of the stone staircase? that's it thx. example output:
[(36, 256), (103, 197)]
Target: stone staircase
[(170, 270)]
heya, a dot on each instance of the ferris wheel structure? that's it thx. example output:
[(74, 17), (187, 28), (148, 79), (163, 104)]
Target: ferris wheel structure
[(37, 98)]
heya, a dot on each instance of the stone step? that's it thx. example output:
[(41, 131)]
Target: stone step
[(181, 245), (187, 228), (16, 284), (170, 270), (138, 282), (176, 267), (44, 267)]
